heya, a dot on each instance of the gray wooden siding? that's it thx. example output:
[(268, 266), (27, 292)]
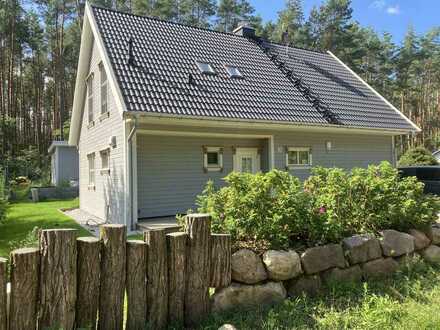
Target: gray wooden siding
[(107, 201), (170, 168), (66, 164)]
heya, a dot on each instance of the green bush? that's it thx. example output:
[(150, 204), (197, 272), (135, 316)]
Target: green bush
[(3, 197), (417, 156), (262, 209), (275, 210), (366, 200)]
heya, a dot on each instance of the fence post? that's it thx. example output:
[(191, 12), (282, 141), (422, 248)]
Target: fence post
[(57, 298), (24, 289), (220, 260), (198, 228), (176, 246), (3, 296), (157, 279), (136, 285), (87, 302), (113, 261)]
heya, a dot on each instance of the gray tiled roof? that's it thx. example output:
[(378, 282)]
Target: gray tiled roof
[(165, 56)]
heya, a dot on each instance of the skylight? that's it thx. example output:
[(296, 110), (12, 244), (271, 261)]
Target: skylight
[(205, 68), (233, 71)]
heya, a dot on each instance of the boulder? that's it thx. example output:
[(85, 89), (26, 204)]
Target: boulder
[(421, 241), (361, 248), (434, 234), (431, 254), (351, 274), (247, 267), (282, 265), (227, 327), (320, 258), (395, 243), (237, 296), (307, 284), (379, 268)]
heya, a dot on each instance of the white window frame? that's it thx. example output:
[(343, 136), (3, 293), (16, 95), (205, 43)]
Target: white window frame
[(211, 167), (89, 82), (91, 165), (298, 165), (105, 169), (205, 70), (104, 89), (236, 74)]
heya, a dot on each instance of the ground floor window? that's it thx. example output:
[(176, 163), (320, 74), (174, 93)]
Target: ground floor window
[(212, 158), (91, 161), (298, 156)]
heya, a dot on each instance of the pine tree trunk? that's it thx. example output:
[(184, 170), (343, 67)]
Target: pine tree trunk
[(3, 295), (89, 249), (198, 227), (176, 245), (25, 264), (220, 260), (113, 267), (157, 279), (136, 285), (58, 279)]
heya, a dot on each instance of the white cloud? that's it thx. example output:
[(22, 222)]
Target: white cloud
[(393, 10), (378, 4)]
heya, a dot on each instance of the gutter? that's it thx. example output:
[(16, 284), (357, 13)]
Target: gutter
[(130, 166)]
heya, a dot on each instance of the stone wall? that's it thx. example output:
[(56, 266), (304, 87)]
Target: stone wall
[(275, 275)]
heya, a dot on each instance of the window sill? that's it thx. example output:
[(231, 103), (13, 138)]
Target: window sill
[(104, 116), (91, 187), (298, 167), (213, 169), (105, 171), (91, 124)]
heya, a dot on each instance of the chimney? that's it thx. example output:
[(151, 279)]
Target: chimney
[(244, 29)]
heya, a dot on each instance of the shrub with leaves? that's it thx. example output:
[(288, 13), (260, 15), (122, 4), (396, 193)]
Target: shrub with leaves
[(417, 156), (3, 197), (366, 200), (275, 210), (264, 209)]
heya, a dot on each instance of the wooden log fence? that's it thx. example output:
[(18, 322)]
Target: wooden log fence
[(70, 283)]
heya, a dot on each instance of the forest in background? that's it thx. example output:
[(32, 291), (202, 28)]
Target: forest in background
[(40, 40)]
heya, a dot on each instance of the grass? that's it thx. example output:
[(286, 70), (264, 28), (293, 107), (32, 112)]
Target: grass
[(24, 216), (410, 300)]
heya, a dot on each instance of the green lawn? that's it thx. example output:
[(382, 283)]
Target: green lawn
[(411, 300), (23, 217)]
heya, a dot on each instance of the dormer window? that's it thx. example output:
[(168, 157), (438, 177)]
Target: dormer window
[(205, 68), (233, 71)]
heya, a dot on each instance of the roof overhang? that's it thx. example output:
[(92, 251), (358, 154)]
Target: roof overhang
[(166, 119)]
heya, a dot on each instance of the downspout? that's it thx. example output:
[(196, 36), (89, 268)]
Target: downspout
[(130, 164)]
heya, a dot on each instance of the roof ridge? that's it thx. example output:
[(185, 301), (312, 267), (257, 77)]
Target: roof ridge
[(166, 21)]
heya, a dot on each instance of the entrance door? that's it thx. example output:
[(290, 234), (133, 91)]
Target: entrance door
[(247, 160)]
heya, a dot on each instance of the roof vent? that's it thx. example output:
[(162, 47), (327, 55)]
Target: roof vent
[(244, 29)]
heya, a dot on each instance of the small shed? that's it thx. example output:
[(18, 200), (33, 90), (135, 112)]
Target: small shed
[(64, 163)]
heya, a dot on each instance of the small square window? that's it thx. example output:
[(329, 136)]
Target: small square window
[(233, 71), (298, 157), (205, 68), (212, 159)]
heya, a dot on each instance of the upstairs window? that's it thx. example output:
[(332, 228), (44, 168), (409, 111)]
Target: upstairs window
[(90, 98), (205, 68), (298, 156), (103, 75), (233, 71), (91, 161)]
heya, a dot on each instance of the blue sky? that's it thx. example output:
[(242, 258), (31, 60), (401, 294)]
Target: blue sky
[(392, 16)]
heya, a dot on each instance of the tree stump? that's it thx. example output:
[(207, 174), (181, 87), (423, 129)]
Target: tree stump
[(220, 260), (3, 295), (157, 279), (136, 285), (113, 263), (57, 298), (87, 302), (25, 265), (176, 245), (198, 227)]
